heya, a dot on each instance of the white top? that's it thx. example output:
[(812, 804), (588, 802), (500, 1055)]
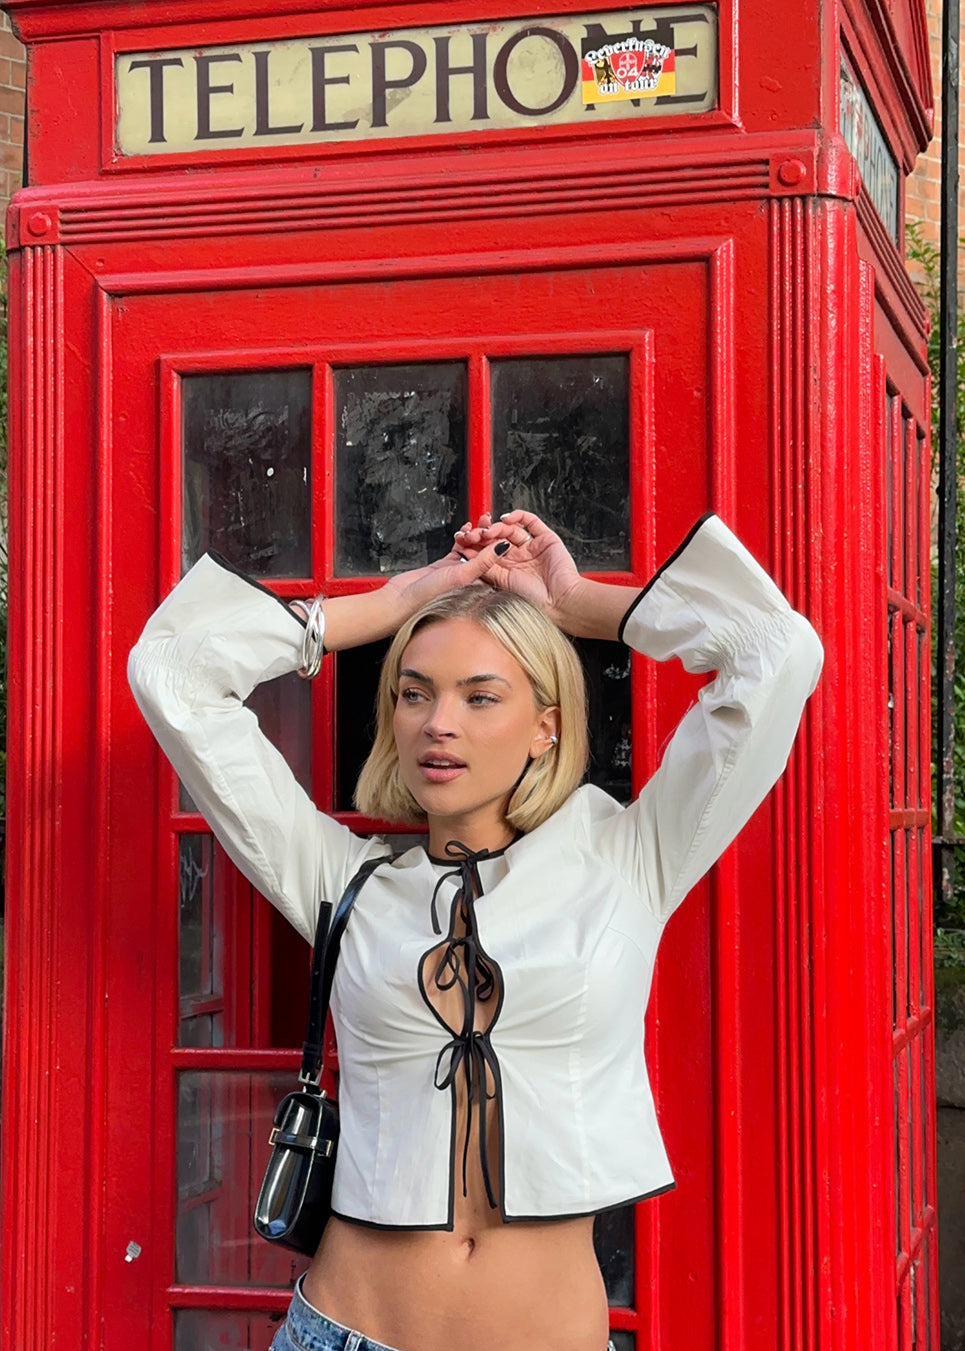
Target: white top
[(570, 916)]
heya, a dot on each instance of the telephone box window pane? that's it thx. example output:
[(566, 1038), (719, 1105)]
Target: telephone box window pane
[(561, 448), (247, 440), (284, 711), (356, 682), (201, 908), (623, 1341), (613, 1234), (400, 465), (202, 1330), (607, 669), (224, 1119)]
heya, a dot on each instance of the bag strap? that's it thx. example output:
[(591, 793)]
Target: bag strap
[(328, 937)]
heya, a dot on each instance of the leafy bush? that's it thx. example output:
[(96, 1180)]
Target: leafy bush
[(949, 909)]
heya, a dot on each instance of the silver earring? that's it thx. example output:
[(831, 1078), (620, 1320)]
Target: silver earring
[(554, 740)]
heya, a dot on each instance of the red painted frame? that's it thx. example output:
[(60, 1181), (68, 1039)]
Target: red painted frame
[(794, 395)]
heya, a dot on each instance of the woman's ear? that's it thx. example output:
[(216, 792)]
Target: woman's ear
[(547, 733)]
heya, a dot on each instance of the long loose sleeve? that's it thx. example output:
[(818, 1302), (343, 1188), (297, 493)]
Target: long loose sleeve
[(215, 637), (716, 609)]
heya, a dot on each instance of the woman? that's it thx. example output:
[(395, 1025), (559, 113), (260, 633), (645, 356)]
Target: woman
[(491, 986)]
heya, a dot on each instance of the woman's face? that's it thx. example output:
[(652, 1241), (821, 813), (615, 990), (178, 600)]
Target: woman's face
[(465, 725)]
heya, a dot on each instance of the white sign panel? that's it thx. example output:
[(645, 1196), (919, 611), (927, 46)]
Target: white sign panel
[(581, 68), (876, 164)]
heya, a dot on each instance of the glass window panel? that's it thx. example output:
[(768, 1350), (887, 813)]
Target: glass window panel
[(623, 1341), (200, 942), (613, 1238), (247, 438), (224, 1119), (607, 668), (400, 465), (204, 1330), (194, 897), (561, 448), (202, 1029), (356, 682)]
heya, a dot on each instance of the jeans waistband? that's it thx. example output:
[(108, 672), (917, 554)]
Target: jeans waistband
[(313, 1330)]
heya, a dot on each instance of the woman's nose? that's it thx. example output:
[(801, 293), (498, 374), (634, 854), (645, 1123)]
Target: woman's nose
[(441, 721)]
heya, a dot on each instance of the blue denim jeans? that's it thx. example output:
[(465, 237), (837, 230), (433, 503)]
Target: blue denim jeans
[(306, 1329)]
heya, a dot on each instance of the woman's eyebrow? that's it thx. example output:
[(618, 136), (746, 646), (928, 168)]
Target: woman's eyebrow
[(483, 679)]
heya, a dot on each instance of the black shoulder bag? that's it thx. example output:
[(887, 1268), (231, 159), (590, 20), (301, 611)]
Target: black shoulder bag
[(295, 1199)]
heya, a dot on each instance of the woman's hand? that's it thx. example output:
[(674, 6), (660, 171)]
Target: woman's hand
[(367, 616), (460, 567), (537, 566)]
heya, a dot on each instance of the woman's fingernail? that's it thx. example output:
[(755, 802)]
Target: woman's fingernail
[(502, 547)]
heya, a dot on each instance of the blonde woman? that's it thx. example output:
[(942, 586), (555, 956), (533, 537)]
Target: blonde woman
[(492, 984)]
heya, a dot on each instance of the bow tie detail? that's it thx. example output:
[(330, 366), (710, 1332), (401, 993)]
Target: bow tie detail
[(462, 964)]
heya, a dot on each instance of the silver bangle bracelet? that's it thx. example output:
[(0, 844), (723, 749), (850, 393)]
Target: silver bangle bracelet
[(312, 649)]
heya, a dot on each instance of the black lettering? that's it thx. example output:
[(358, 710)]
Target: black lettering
[(320, 81), (445, 72), (205, 60), (156, 65), (263, 125), (380, 84), (571, 71)]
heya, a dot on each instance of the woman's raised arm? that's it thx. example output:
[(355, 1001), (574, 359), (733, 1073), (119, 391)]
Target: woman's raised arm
[(716, 609), (218, 635)]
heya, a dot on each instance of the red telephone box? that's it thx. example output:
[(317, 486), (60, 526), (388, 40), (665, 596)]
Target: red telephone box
[(312, 283)]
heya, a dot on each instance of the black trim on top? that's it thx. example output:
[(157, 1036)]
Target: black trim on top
[(662, 569), (586, 1214), (490, 853), (401, 1228), (510, 1219), (259, 586)]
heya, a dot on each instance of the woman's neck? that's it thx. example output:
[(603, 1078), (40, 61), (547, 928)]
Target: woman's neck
[(477, 835)]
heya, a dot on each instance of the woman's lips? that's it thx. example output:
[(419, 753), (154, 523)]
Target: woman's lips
[(440, 769)]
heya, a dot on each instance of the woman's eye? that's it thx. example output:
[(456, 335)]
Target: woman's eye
[(479, 699), (410, 696)]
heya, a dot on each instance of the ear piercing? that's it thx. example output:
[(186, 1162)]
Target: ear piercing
[(553, 740)]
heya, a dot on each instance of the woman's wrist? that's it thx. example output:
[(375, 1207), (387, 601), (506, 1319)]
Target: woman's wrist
[(365, 617), (594, 609)]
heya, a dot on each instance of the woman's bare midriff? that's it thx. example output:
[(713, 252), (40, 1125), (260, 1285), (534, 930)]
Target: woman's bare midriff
[(485, 1285), (516, 1287)]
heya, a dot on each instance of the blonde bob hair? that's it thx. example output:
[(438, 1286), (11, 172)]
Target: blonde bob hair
[(555, 674)]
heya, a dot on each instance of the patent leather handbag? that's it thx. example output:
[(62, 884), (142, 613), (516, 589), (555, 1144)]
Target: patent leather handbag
[(295, 1199)]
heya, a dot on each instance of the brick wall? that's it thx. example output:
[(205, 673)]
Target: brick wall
[(13, 79), (923, 190)]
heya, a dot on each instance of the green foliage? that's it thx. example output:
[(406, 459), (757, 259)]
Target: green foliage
[(949, 909)]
